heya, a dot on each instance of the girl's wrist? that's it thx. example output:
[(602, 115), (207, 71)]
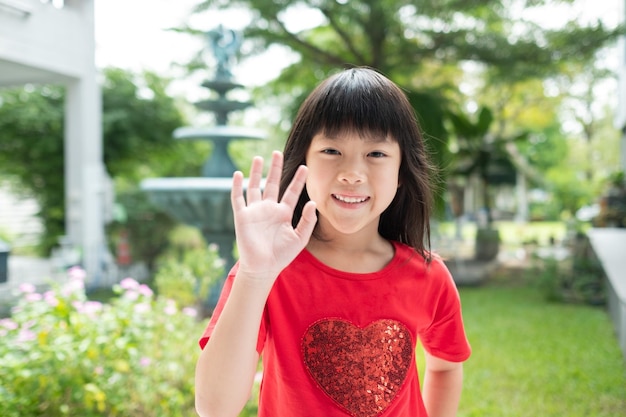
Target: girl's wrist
[(255, 280)]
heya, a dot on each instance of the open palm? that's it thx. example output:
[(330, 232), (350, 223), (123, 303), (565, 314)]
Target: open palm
[(266, 240)]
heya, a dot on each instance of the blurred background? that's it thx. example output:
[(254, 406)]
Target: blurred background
[(523, 105)]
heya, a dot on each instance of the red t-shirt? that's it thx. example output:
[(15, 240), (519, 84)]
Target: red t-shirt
[(335, 343)]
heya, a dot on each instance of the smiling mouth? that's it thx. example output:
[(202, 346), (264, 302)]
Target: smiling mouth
[(350, 200)]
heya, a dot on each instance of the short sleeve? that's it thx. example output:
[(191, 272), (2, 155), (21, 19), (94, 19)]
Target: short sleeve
[(445, 337), (228, 285)]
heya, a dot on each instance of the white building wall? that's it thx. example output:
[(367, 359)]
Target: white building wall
[(41, 43)]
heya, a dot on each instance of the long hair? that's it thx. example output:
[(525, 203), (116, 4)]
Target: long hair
[(363, 100)]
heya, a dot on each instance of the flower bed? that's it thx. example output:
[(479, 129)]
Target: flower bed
[(62, 354)]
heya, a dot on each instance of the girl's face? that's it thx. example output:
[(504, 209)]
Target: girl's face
[(352, 180)]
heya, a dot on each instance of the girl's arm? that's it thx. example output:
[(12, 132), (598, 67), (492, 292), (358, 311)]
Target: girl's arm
[(267, 243), (443, 382)]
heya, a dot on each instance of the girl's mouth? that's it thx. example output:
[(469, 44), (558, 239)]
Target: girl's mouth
[(350, 200)]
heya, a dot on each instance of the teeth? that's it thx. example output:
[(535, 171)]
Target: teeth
[(351, 200)]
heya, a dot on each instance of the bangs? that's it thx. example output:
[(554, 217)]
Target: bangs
[(356, 102)]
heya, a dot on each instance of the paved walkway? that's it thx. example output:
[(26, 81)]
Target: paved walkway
[(27, 270), (609, 246)]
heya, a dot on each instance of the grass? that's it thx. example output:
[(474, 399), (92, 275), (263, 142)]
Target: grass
[(512, 233), (536, 358)]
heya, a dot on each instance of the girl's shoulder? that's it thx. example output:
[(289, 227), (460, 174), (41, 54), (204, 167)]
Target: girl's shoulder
[(431, 264)]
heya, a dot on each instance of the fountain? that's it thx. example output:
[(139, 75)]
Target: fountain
[(204, 202)]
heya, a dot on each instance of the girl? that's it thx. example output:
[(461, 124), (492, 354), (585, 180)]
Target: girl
[(335, 283)]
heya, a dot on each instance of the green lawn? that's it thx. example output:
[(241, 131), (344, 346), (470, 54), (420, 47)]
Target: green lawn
[(535, 358), (512, 233)]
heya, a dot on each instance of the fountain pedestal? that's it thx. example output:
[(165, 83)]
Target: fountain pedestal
[(204, 202)]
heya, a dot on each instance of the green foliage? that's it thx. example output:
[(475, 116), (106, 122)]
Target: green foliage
[(419, 44), (189, 269), (147, 227), (480, 153), (430, 111), (138, 121), (31, 150), (64, 355), (139, 118), (400, 36), (577, 278), (499, 57)]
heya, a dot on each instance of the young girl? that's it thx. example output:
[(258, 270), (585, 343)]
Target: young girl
[(335, 283)]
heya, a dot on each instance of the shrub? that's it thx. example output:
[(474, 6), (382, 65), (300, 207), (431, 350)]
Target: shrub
[(189, 270), (574, 278), (62, 354)]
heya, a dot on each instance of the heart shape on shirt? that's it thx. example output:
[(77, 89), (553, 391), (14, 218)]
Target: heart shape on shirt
[(360, 369)]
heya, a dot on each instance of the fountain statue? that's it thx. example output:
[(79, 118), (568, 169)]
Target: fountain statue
[(204, 202)]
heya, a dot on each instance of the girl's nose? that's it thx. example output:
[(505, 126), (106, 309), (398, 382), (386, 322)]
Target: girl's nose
[(351, 172)]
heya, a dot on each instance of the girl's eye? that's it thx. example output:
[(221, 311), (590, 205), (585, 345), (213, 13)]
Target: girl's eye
[(330, 151), (377, 154)]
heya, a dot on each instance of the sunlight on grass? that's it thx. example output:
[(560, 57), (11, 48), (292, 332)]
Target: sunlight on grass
[(534, 358), (512, 233)]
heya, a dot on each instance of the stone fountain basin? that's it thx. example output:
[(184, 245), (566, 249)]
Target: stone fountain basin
[(471, 271), (220, 133), (198, 201)]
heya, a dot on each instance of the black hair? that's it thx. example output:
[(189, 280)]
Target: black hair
[(363, 100)]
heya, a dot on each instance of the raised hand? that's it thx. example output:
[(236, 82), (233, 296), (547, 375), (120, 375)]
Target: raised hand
[(266, 239)]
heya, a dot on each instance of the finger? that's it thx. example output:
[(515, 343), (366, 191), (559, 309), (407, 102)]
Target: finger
[(308, 220), (293, 191), (254, 184), (236, 192), (272, 184)]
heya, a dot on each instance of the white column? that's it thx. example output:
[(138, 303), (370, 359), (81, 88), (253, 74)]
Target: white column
[(84, 168)]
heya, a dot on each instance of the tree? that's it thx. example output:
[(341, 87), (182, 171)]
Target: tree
[(482, 154), (31, 150), (403, 38), (424, 46), (138, 121)]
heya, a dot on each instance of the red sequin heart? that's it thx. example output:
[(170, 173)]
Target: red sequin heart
[(361, 369)]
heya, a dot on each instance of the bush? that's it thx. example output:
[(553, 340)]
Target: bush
[(62, 354), (577, 278), (189, 270)]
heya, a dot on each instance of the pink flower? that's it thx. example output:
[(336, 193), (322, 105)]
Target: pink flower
[(33, 296), (145, 290), (92, 308), (29, 324), (50, 298), (129, 284), (76, 273), (142, 308), (98, 370), (170, 308), (26, 335), (89, 308), (131, 295), (190, 311), (143, 362), (73, 286), (8, 324), (27, 288)]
